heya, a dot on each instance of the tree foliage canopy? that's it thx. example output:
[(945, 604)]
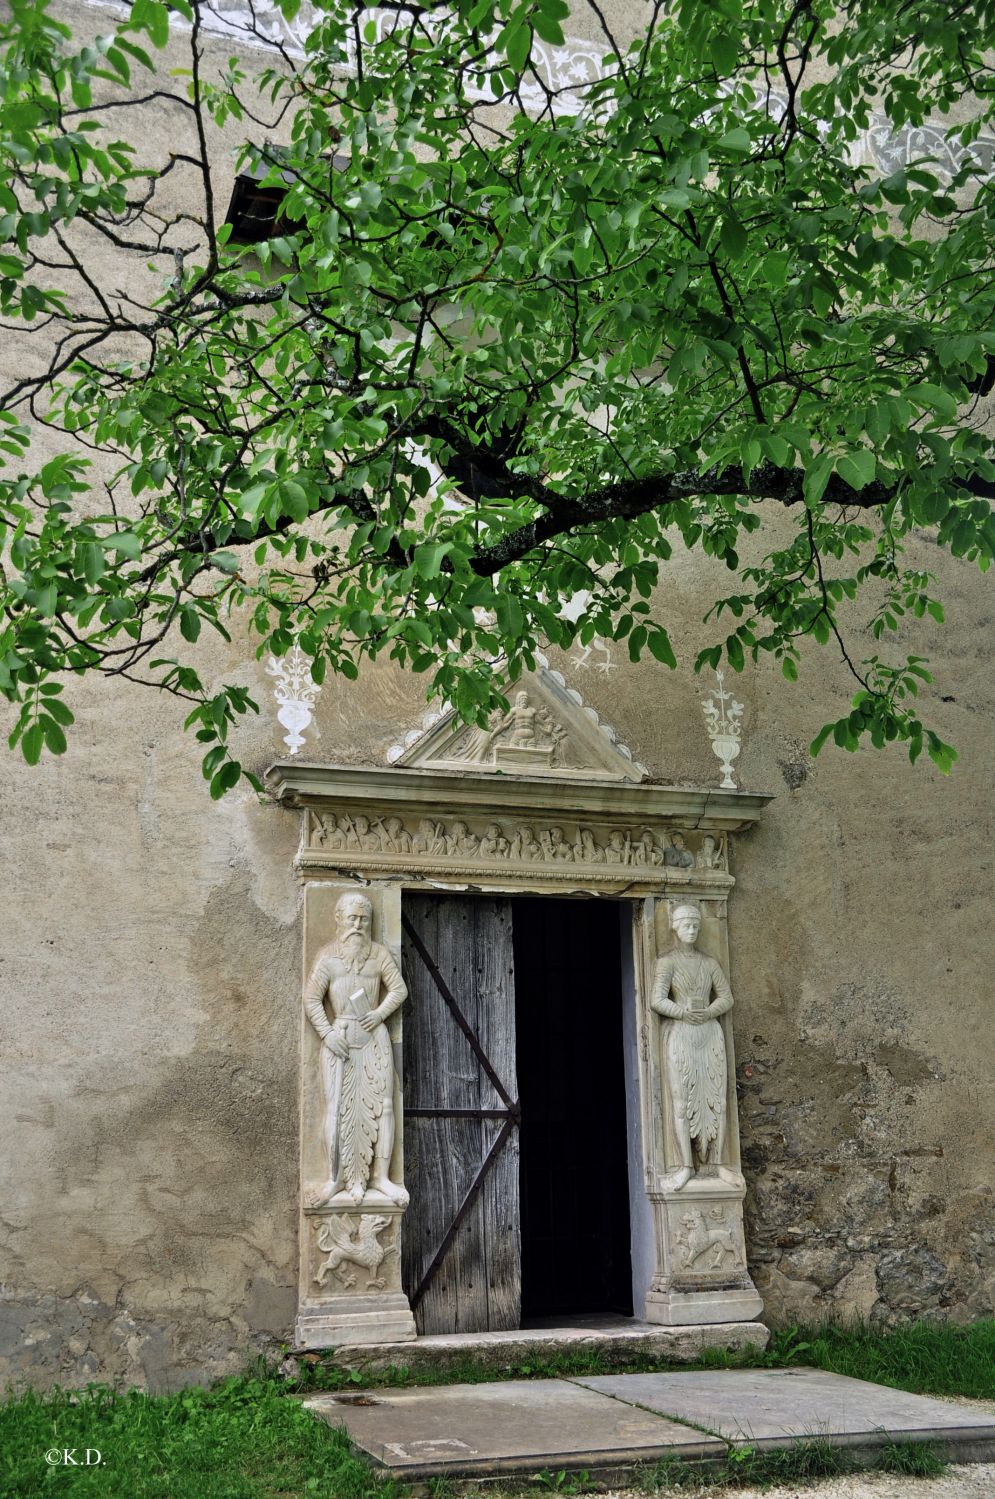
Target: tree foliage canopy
[(511, 341)]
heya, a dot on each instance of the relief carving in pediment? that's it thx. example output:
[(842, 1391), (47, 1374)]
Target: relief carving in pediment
[(546, 730)]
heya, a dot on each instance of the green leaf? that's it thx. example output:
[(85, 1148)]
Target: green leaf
[(517, 45), (94, 562), (636, 641), (55, 739), (47, 597), (550, 30), (934, 398), (858, 468), (151, 16), (189, 622), (124, 542), (59, 711), (428, 558), (32, 741), (942, 755), (733, 237), (293, 499), (661, 648), (224, 779), (817, 476)]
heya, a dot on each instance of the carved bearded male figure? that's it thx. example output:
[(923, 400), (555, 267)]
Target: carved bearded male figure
[(355, 986), (690, 992)]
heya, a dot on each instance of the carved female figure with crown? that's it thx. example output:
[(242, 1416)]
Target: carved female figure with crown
[(690, 992)]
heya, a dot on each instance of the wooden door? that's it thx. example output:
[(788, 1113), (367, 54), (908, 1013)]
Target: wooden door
[(461, 1238)]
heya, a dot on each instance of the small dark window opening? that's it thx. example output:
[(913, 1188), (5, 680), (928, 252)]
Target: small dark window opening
[(253, 211)]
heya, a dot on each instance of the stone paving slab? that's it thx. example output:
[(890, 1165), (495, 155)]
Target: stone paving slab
[(766, 1407), (512, 1426)]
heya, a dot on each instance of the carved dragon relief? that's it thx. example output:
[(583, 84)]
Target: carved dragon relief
[(348, 1239)]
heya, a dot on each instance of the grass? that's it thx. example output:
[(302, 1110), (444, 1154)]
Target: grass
[(802, 1463), (245, 1439), (241, 1439), (926, 1358)]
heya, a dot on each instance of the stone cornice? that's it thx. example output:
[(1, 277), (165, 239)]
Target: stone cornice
[(427, 792)]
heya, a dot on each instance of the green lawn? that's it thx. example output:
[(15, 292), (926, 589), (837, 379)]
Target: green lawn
[(246, 1439), (242, 1439), (922, 1357)]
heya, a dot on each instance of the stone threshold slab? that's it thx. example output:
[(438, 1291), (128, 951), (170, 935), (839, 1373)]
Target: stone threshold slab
[(768, 1408), (615, 1339), (515, 1426)]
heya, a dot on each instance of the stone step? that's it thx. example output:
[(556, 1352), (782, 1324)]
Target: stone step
[(617, 1340)]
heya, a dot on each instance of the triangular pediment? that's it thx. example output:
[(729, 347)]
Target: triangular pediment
[(547, 731)]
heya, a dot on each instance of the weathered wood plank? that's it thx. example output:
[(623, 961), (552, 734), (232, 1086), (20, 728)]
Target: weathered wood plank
[(440, 1070), (496, 988), (477, 1284)]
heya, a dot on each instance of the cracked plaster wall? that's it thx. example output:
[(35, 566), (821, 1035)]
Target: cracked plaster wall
[(149, 992)]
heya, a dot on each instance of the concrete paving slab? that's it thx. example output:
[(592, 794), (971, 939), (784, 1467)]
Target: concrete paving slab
[(767, 1406), (512, 1426)]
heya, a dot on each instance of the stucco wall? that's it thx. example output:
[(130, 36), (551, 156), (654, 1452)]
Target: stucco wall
[(151, 978), (150, 985)]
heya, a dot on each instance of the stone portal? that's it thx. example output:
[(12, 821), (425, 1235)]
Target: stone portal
[(488, 834)]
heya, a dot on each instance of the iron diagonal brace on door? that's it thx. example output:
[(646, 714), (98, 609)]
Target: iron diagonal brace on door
[(459, 1017), (500, 1140)]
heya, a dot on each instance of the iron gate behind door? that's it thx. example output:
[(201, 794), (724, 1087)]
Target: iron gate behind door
[(461, 1235)]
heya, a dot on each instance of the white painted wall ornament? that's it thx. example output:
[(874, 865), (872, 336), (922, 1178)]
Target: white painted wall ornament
[(724, 721), (296, 693)]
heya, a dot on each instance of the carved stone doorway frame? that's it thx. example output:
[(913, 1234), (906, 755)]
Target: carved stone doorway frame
[(383, 831)]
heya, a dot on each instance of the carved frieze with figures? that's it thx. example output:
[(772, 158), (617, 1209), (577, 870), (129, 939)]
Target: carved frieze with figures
[(355, 839)]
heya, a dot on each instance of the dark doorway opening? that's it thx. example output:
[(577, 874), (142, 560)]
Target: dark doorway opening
[(574, 1173)]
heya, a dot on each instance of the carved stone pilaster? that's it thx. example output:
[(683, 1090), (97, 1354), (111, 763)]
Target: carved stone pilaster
[(696, 1185), (352, 1198)]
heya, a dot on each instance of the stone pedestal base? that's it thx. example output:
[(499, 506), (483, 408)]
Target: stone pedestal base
[(523, 757), (689, 1308), (351, 1276), (701, 1272), (349, 1320)]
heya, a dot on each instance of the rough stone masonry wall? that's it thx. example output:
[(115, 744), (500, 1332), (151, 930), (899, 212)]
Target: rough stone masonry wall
[(150, 977), (861, 970)]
